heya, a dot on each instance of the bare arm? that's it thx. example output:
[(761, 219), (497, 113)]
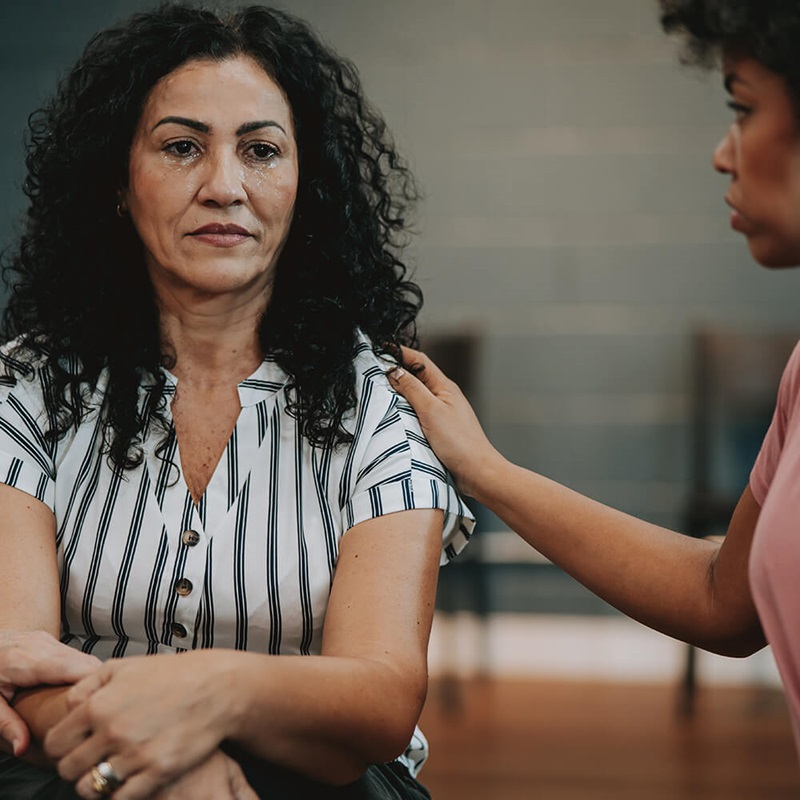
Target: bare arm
[(30, 654), (328, 716), (373, 669), (691, 589)]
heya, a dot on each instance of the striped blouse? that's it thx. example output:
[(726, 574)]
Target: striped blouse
[(145, 570)]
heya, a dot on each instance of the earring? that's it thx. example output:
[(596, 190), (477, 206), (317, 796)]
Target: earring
[(121, 211)]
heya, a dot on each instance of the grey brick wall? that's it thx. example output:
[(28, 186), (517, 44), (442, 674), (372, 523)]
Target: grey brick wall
[(572, 217)]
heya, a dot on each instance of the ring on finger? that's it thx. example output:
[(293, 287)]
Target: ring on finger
[(105, 779)]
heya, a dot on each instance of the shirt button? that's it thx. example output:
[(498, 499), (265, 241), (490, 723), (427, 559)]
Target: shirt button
[(178, 630), (183, 586), (190, 538)]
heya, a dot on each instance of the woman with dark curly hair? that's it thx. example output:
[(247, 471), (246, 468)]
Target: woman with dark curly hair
[(734, 597), (193, 414)]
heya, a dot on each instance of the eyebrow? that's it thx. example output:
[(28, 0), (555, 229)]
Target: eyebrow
[(247, 127), (730, 79)]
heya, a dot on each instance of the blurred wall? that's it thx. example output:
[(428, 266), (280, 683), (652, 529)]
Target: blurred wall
[(572, 217)]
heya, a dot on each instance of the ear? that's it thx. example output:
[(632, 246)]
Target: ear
[(122, 203)]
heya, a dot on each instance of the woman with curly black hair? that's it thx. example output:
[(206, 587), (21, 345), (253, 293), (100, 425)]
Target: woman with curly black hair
[(734, 597), (194, 413)]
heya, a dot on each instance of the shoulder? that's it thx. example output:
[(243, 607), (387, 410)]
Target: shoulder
[(396, 467), (372, 387), (784, 427), (29, 374), (23, 369), (791, 373), (789, 390), (371, 366)]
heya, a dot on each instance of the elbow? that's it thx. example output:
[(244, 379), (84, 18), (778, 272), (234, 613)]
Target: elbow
[(391, 729), (385, 746), (739, 648), (390, 739), (738, 643), (382, 731)]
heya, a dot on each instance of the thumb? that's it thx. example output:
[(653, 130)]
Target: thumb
[(69, 667), (412, 388), (14, 734), (240, 788)]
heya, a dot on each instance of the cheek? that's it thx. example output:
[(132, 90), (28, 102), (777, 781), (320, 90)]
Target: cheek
[(278, 199), (156, 191), (783, 177)]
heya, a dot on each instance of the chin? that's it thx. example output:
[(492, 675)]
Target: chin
[(775, 255)]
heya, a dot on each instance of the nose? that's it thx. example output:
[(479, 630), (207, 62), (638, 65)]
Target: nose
[(222, 181), (723, 159)]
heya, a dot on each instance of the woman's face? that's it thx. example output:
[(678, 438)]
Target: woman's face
[(761, 154), (213, 179)]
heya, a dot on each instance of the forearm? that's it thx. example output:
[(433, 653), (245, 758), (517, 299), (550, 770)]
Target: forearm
[(325, 716), (41, 708), (668, 581)]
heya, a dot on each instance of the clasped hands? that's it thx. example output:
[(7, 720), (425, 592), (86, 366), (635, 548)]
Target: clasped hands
[(158, 720)]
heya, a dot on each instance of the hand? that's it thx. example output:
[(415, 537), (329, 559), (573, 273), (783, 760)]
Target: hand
[(219, 778), (28, 659), (448, 420), (153, 717)]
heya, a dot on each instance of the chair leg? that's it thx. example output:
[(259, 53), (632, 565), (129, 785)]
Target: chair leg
[(688, 685)]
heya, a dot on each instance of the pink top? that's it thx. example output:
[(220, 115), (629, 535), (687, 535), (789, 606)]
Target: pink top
[(775, 555)]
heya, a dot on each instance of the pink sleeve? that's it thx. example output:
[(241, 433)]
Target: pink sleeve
[(772, 447)]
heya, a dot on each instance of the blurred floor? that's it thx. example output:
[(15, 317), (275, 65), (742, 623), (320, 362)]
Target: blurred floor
[(524, 740)]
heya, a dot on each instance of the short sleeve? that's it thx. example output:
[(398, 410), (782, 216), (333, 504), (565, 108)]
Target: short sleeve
[(26, 457), (782, 419), (393, 468)]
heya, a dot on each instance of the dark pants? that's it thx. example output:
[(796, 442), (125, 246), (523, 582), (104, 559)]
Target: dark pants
[(21, 781)]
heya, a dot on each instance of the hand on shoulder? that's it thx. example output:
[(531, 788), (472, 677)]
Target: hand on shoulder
[(448, 420)]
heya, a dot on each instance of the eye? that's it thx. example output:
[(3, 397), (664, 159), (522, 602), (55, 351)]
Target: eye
[(262, 151), (741, 111), (181, 148)]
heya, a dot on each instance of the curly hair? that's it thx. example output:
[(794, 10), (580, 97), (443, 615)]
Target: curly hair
[(80, 296), (767, 30)]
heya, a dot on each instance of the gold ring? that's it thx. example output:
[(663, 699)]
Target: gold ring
[(105, 779), (100, 784), (108, 772)]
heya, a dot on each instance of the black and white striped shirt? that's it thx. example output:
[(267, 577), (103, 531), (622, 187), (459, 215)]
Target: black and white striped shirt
[(145, 570)]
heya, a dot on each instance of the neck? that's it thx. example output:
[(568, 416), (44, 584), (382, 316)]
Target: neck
[(213, 340)]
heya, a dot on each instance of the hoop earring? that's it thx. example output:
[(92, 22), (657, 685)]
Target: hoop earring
[(121, 212)]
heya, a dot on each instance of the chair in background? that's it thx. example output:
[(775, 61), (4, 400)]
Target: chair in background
[(735, 377)]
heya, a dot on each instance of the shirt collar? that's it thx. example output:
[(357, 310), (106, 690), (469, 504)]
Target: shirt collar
[(267, 379)]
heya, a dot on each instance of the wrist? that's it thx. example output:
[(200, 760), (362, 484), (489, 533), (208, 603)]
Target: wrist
[(40, 708), (485, 477), (223, 688)]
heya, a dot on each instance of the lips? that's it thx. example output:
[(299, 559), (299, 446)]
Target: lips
[(218, 234), (219, 228), (738, 221)]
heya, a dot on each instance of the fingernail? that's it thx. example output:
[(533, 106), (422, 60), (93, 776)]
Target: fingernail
[(16, 746), (396, 373)]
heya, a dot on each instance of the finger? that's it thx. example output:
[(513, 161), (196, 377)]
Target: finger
[(85, 787), (30, 658), (143, 785), (67, 667), (85, 688), (412, 389), (68, 734), (13, 731), (77, 725), (239, 786), (429, 373), (80, 760)]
